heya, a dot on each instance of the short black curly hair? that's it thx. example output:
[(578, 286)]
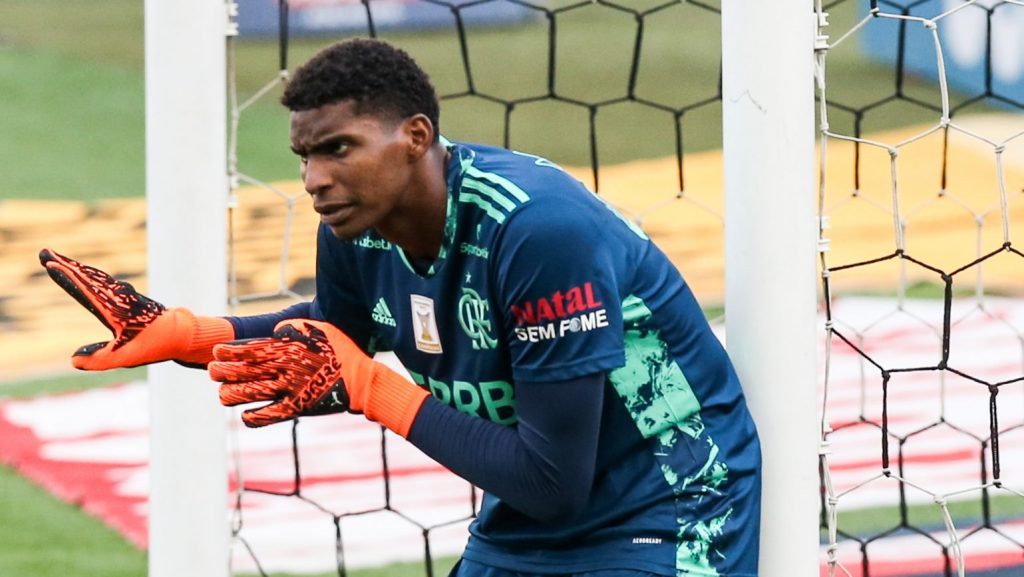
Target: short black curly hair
[(378, 77)]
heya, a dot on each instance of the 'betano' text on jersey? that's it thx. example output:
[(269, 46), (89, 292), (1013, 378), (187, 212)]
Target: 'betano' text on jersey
[(539, 280)]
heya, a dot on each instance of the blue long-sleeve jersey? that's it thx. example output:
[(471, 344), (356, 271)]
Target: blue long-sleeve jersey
[(540, 290)]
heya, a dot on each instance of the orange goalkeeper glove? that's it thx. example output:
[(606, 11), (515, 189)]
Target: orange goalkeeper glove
[(144, 330), (312, 368)]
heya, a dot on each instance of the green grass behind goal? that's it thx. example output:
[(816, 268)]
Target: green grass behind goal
[(73, 85)]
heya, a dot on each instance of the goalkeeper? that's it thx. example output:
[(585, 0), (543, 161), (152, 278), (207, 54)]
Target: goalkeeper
[(559, 361)]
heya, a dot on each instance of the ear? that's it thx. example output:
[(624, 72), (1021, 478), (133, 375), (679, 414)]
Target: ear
[(420, 135)]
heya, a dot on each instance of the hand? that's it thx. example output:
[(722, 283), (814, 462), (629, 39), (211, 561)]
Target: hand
[(305, 368), (144, 330), (311, 368)]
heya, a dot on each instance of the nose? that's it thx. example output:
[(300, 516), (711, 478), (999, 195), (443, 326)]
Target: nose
[(315, 176)]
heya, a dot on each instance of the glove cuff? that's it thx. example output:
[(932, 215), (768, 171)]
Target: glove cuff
[(393, 401), (207, 332)]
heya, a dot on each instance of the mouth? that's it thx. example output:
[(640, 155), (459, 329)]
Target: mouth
[(333, 214)]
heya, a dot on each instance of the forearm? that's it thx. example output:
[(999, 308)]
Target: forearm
[(543, 467), (263, 325)]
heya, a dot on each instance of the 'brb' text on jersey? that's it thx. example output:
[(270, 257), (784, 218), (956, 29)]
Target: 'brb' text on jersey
[(539, 280)]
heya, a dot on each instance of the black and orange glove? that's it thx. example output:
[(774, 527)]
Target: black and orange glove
[(312, 368), (144, 330)]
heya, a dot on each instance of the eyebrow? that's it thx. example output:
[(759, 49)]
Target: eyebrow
[(323, 145)]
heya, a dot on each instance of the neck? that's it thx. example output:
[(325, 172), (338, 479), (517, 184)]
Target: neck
[(418, 226)]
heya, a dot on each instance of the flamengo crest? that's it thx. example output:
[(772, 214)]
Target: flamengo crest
[(474, 319)]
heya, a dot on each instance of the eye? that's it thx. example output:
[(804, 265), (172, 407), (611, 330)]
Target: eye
[(336, 148)]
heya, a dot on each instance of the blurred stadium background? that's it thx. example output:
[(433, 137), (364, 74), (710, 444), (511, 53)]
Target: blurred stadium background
[(72, 178)]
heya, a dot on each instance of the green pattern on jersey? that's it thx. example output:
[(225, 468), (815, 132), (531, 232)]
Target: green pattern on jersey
[(663, 406)]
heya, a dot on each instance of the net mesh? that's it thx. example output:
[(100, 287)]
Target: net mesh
[(923, 390)]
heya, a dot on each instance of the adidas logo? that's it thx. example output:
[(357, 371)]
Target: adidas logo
[(382, 314)]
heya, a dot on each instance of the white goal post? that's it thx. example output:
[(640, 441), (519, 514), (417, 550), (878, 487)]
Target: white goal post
[(186, 203), (770, 243)]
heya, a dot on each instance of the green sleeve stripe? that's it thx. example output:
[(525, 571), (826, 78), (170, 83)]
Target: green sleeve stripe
[(492, 212), (493, 194), (503, 182)]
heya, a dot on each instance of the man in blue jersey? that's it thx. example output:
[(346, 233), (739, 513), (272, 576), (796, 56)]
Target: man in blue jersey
[(559, 360)]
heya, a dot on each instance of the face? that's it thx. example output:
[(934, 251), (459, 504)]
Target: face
[(357, 168)]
